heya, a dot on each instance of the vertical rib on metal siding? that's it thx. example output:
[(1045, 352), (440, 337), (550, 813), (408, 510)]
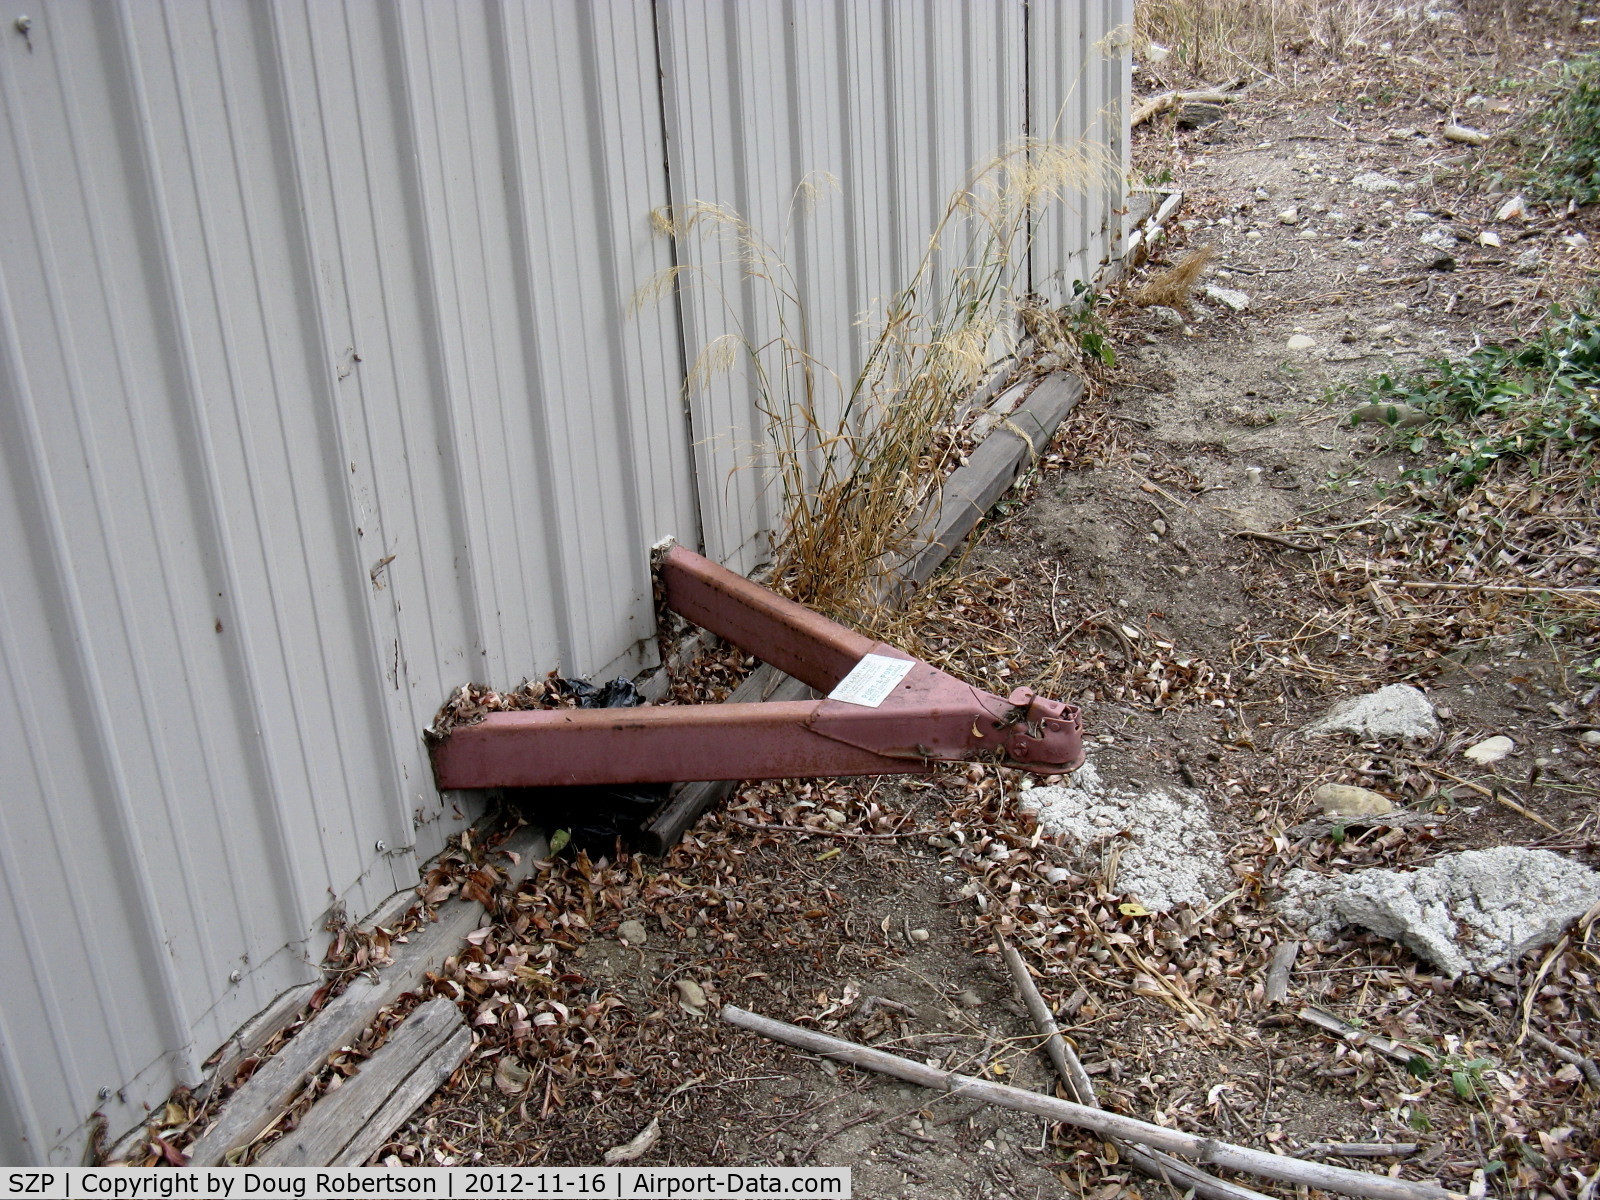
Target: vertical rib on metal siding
[(1076, 87)]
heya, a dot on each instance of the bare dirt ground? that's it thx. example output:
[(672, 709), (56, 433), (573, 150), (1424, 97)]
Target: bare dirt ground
[(1118, 577)]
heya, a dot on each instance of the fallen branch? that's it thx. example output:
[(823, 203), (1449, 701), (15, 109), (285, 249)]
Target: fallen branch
[(1322, 826), (1277, 989), (1273, 538), (1496, 795), (1107, 1124), (1323, 1019), (1152, 1162), (1363, 1149), (1062, 1056), (1551, 956), (1590, 1070), (1502, 588), (1167, 101)]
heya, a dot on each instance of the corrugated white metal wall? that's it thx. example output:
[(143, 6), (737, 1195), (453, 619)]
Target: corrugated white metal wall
[(321, 393)]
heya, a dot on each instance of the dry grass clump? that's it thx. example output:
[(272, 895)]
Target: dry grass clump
[(1174, 286), (858, 458), (1215, 37)]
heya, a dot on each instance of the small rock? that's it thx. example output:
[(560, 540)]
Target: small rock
[(1263, 194), (1169, 318), (1439, 238), (1514, 209), (1490, 750), (1590, 737), (1575, 241), (1139, 456), (1395, 712), (1529, 261), (1473, 911), (1383, 330), (969, 999), (833, 817), (1159, 526), (1289, 216), (1300, 343), (1236, 300), (633, 932), (1253, 474), (691, 996), (1489, 238), (1419, 217), (920, 935), (1465, 134), (1346, 800), (1401, 416), (1371, 181)]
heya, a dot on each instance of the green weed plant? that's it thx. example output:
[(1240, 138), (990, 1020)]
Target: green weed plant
[(1562, 143), (1533, 405)]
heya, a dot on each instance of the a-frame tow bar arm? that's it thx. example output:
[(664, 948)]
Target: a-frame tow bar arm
[(884, 712)]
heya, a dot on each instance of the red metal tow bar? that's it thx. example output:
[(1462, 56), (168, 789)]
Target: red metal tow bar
[(885, 713)]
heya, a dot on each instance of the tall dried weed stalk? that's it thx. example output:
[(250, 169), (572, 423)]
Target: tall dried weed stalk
[(858, 458)]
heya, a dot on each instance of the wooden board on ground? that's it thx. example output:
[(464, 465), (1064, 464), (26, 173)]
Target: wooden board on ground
[(347, 1126), (990, 471), (266, 1093)]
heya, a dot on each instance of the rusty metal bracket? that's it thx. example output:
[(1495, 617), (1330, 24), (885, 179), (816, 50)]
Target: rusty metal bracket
[(883, 712)]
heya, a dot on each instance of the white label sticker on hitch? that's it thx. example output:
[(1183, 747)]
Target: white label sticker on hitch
[(871, 680)]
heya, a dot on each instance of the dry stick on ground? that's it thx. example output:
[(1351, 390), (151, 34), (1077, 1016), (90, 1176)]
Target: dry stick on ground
[(1496, 795), (1364, 1149), (1167, 101), (1503, 588), (1283, 957), (1323, 1019), (1590, 1070), (1107, 1124), (1550, 958), (1286, 543), (1152, 1162)]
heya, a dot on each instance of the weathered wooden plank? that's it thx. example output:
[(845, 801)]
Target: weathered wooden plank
[(256, 1033), (990, 470), (346, 1126), (265, 1094), (407, 1098)]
